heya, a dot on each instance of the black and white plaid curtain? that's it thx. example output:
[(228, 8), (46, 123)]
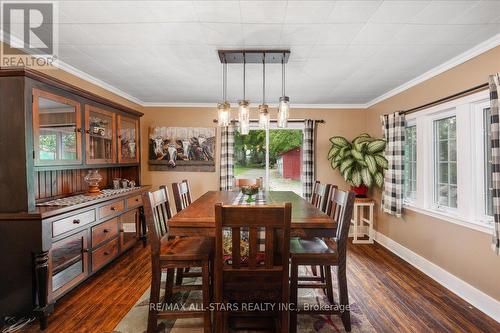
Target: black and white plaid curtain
[(227, 158), (393, 127), (308, 158), (495, 156)]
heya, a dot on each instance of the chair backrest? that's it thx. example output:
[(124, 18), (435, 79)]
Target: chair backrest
[(312, 199), (182, 195), (321, 196), (157, 212), (248, 182), (339, 208), (263, 273)]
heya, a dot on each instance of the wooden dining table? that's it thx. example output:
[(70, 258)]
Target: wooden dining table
[(198, 219)]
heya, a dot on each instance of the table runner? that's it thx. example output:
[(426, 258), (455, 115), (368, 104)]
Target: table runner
[(241, 199)]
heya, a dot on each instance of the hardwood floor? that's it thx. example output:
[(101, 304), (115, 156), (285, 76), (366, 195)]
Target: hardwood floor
[(394, 296)]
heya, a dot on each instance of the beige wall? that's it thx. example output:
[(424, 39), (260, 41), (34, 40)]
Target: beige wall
[(349, 123), (461, 251)]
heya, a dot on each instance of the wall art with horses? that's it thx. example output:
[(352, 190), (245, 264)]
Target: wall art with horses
[(182, 149)]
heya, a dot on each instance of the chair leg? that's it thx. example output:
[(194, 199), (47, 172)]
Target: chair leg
[(207, 320), (344, 296), (329, 285), (178, 276), (219, 321), (322, 275), (294, 277), (154, 299), (169, 283)]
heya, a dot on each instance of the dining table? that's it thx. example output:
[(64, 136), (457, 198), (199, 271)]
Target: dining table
[(198, 219)]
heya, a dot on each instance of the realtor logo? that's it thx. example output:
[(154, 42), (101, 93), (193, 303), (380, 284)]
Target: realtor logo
[(28, 28)]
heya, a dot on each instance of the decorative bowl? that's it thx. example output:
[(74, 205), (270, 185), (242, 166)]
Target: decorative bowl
[(250, 190)]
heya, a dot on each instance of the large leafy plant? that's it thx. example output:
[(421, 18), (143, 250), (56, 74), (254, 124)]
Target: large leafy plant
[(360, 162)]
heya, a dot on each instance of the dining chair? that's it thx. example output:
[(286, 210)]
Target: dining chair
[(182, 195), (325, 252), (259, 275), (239, 182), (320, 197), (170, 254), (312, 199)]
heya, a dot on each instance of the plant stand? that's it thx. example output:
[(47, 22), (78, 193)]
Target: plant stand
[(362, 228)]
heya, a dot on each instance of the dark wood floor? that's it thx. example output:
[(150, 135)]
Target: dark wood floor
[(394, 296)]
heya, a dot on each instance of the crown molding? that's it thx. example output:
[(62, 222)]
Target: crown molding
[(92, 79), (458, 60)]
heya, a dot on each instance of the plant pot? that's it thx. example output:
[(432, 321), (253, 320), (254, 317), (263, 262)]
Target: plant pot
[(360, 191)]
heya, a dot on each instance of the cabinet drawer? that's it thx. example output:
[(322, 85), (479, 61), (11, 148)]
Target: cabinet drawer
[(104, 231), (134, 201), (69, 223), (104, 254), (111, 209)]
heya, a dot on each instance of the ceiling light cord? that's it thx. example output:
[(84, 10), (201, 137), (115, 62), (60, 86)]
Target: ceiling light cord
[(264, 79), (244, 77)]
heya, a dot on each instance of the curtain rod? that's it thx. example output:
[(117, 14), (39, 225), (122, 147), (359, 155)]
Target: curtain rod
[(320, 121), (463, 93)]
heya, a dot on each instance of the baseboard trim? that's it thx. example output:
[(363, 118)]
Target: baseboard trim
[(474, 296)]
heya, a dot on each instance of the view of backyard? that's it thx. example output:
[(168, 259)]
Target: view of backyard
[(250, 158)]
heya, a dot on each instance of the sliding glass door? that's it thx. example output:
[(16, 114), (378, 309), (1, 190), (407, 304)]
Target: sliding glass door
[(274, 156)]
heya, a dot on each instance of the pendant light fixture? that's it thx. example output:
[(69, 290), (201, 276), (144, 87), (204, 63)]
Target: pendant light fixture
[(264, 108), (284, 103), (224, 108), (244, 106)]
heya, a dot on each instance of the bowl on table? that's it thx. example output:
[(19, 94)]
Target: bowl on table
[(250, 189)]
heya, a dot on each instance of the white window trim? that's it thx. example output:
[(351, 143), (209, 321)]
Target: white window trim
[(406, 200), (470, 161)]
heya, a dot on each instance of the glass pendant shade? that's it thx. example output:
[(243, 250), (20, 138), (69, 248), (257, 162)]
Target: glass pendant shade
[(244, 117), (264, 116), (283, 112), (224, 114)]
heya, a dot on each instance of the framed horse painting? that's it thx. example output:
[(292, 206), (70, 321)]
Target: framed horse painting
[(181, 149)]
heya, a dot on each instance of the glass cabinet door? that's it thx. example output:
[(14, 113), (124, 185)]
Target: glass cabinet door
[(129, 229), (100, 135), (128, 144), (68, 263), (56, 129)]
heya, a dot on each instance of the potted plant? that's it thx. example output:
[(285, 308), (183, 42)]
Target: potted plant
[(361, 162)]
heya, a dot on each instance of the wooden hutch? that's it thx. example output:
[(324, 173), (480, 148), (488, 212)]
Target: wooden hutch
[(53, 237)]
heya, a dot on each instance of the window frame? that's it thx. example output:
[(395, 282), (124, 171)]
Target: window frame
[(470, 150), (410, 200)]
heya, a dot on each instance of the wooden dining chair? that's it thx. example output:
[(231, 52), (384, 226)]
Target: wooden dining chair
[(261, 275), (326, 252), (182, 195), (171, 254), (312, 199), (319, 200), (239, 182)]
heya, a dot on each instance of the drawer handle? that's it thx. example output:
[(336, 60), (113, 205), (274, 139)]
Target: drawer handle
[(136, 199), (112, 208), (105, 231), (122, 230), (76, 221), (106, 253)]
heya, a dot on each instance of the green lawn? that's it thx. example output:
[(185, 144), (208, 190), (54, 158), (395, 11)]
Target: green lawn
[(238, 170)]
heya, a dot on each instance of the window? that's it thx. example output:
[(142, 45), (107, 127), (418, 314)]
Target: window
[(488, 185), (445, 145), (410, 165), (451, 178)]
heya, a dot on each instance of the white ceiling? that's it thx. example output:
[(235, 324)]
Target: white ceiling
[(342, 52)]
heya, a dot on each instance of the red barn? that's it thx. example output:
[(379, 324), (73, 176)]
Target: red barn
[(289, 163)]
